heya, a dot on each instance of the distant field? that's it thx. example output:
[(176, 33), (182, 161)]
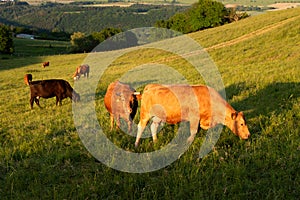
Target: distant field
[(43, 157), (249, 2), (28, 47), (243, 2)]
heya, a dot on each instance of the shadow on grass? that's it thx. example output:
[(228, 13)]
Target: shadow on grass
[(12, 62), (276, 97)]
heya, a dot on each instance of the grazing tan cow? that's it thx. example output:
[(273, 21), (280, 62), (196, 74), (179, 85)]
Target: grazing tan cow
[(121, 101), (45, 64), (82, 69), (195, 104)]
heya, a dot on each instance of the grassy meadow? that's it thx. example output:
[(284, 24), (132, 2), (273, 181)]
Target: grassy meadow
[(43, 157), (26, 47)]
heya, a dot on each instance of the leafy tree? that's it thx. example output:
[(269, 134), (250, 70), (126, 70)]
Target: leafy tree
[(6, 42), (123, 40), (204, 14), (105, 33), (207, 14), (82, 43)]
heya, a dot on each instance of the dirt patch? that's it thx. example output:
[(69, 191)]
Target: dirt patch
[(282, 6)]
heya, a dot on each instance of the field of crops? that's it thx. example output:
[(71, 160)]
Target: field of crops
[(43, 154)]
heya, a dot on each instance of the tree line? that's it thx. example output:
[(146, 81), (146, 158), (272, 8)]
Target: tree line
[(83, 22), (68, 18)]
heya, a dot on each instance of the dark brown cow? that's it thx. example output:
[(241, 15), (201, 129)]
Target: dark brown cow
[(121, 101), (195, 104), (58, 88), (82, 69), (45, 64)]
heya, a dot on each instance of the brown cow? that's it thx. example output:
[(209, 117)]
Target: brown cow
[(121, 101), (45, 64), (195, 104), (50, 88), (82, 69)]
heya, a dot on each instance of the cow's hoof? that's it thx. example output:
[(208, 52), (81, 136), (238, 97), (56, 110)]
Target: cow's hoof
[(136, 144), (190, 140)]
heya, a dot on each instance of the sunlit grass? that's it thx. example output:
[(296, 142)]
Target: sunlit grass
[(43, 157)]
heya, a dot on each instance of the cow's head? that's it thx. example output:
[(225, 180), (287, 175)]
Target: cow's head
[(238, 125), (75, 96), (125, 106), (124, 101), (75, 76)]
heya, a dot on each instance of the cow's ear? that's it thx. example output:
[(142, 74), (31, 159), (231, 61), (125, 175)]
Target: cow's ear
[(234, 115)]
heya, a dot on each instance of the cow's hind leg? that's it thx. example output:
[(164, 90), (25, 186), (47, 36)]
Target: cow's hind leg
[(32, 99), (37, 101), (155, 123)]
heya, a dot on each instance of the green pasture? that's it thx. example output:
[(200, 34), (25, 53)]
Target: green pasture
[(43, 157), (28, 47)]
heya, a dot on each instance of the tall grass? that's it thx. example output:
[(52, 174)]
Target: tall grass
[(42, 156)]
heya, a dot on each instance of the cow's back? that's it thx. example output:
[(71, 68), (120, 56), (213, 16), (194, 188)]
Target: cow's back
[(50, 88), (171, 103), (176, 103)]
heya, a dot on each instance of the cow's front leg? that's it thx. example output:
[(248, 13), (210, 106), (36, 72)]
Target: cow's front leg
[(194, 124), (118, 124), (58, 101), (111, 116), (129, 125)]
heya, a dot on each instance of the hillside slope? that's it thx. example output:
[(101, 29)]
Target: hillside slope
[(43, 157)]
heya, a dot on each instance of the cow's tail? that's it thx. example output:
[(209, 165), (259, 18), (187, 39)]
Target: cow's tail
[(27, 79)]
